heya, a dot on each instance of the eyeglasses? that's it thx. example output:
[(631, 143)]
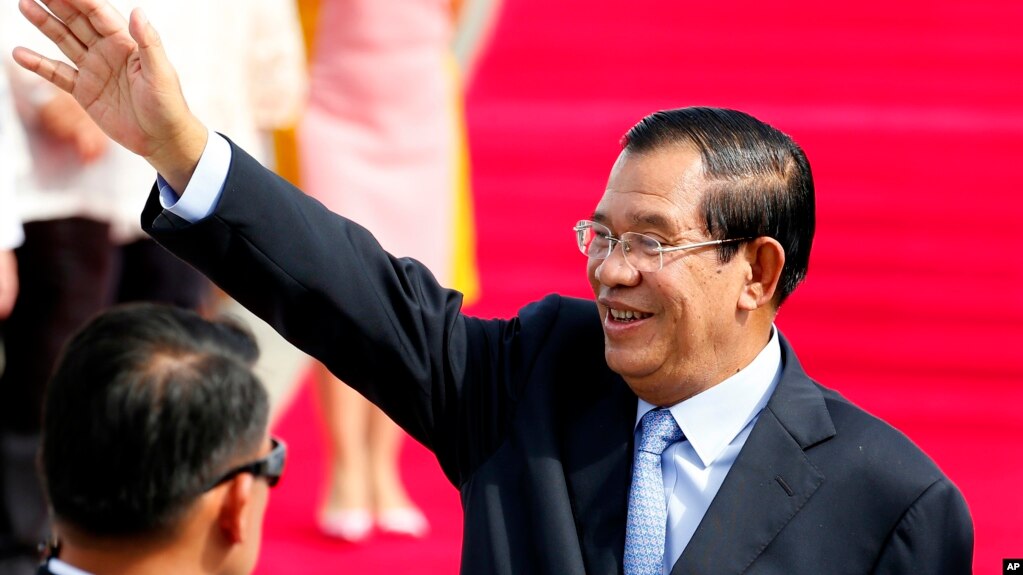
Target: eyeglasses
[(271, 466), (642, 252)]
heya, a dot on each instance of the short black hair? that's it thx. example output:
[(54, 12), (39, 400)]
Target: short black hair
[(147, 405), (758, 180)]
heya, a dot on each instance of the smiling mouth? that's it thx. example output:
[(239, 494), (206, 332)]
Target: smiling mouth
[(627, 316)]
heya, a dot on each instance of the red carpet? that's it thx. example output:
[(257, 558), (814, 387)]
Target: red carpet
[(912, 116), (293, 544)]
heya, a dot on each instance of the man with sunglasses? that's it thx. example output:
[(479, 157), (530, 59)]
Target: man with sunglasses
[(665, 428), (155, 454)]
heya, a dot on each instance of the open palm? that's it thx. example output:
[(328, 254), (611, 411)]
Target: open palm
[(121, 76)]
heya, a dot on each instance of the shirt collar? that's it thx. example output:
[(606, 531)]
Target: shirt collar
[(711, 419)]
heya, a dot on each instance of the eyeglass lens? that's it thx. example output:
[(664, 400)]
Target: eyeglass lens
[(641, 252)]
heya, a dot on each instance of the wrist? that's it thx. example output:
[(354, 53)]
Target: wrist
[(177, 159)]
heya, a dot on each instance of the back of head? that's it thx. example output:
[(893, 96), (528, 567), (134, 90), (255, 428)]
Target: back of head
[(758, 180), (146, 407)]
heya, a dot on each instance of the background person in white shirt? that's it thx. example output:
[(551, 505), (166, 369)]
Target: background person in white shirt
[(12, 159)]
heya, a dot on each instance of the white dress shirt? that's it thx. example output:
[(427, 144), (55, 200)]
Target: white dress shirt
[(716, 424)]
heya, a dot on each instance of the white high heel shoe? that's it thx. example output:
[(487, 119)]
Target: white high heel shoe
[(352, 525), (403, 521)]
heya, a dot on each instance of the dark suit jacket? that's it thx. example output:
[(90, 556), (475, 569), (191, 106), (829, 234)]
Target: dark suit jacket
[(536, 432)]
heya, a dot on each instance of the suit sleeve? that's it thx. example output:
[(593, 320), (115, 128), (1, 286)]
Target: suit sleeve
[(934, 536), (382, 324)]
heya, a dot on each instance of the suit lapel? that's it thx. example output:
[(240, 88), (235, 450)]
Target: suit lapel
[(769, 482), (597, 456)]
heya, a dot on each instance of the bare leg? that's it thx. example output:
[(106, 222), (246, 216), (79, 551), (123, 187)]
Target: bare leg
[(346, 416), (385, 440), (394, 509)]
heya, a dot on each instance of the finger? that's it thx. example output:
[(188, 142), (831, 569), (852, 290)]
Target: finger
[(57, 73), (74, 20), (103, 17), (54, 29), (154, 59)]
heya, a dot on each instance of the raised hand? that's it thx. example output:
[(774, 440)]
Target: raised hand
[(121, 77)]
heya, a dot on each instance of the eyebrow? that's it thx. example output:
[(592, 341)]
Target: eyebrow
[(651, 219)]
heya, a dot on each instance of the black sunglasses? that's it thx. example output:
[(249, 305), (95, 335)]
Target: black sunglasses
[(271, 466)]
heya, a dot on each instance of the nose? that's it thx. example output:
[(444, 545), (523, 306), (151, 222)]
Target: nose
[(615, 271)]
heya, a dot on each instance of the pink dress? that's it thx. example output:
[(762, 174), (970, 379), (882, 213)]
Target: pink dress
[(378, 141)]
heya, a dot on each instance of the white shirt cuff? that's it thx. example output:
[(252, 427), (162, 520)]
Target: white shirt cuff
[(203, 191)]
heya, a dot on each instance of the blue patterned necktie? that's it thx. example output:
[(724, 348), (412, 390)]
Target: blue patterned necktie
[(647, 520)]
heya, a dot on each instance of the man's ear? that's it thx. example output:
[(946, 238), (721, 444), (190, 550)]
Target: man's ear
[(766, 259), (235, 507)]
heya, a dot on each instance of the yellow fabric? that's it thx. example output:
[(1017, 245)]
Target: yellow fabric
[(464, 271), (465, 274), (285, 146)]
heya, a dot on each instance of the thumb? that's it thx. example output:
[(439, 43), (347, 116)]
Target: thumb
[(154, 59)]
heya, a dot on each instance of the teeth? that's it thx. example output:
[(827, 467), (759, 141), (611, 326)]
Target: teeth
[(628, 315)]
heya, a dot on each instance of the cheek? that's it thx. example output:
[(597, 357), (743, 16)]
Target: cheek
[(672, 293), (680, 317), (591, 273)]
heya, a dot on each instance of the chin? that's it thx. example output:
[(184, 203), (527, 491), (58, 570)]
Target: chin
[(626, 364)]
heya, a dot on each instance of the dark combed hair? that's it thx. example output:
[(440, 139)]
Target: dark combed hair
[(758, 180), (148, 404)]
